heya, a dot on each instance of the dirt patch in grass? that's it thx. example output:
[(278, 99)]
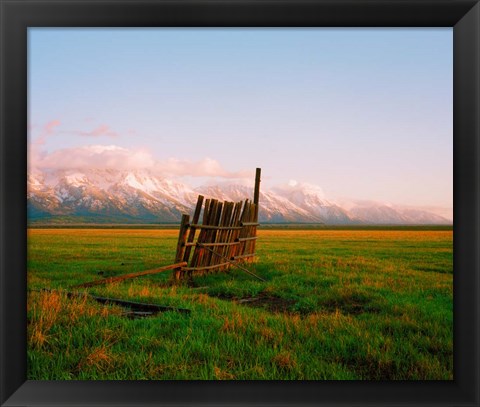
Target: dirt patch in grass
[(264, 300), (269, 302), (347, 304), (352, 305)]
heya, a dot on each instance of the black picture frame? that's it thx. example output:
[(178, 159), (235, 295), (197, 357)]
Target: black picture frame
[(18, 15)]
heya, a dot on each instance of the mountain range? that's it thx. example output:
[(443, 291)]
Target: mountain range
[(110, 196)]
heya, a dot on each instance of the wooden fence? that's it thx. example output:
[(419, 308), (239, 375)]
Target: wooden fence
[(226, 236)]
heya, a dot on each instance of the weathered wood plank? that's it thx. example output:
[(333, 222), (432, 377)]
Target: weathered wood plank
[(182, 236), (215, 227), (249, 224), (249, 247), (132, 275), (235, 232), (222, 234), (204, 268), (191, 235), (244, 231), (227, 236), (246, 239), (210, 258), (212, 244), (201, 237), (206, 233), (137, 306)]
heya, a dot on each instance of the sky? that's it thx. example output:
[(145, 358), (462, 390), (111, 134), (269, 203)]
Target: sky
[(361, 113)]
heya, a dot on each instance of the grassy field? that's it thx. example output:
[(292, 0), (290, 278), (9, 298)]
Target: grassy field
[(337, 304)]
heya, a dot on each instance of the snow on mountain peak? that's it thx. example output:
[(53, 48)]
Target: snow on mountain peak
[(145, 197), (143, 183), (303, 188), (76, 179), (304, 195)]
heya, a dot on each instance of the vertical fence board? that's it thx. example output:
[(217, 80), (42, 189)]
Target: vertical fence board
[(213, 259), (191, 235), (235, 233), (201, 236), (182, 236), (243, 231), (220, 238)]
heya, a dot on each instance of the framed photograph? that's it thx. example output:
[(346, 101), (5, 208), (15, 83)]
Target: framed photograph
[(240, 203)]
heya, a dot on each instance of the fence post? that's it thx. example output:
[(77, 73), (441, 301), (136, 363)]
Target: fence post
[(182, 236), (256, 194)]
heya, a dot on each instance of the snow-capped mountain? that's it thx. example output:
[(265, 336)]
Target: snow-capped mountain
[(273, 207), (142, 197), (106, 195), (311, 198)]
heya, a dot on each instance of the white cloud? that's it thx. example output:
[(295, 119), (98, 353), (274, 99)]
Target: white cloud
[(293, 186), (102, 130), (206, 167), (95, 156), (123, 159)]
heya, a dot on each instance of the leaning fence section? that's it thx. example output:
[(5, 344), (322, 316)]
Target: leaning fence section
[(225, 236)]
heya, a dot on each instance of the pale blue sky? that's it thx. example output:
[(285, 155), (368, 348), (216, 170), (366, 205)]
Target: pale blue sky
[(363, 113)]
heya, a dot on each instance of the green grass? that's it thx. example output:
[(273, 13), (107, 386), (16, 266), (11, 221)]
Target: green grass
[(337, 304)]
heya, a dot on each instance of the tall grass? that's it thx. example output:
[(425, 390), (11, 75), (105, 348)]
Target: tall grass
[(337, 304)]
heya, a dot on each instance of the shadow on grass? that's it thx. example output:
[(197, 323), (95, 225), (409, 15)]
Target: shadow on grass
[(267, 301), (353, 303)]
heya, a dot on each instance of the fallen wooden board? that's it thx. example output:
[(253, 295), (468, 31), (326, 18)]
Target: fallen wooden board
[(131, 275), (138, 307), (242, 300)]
